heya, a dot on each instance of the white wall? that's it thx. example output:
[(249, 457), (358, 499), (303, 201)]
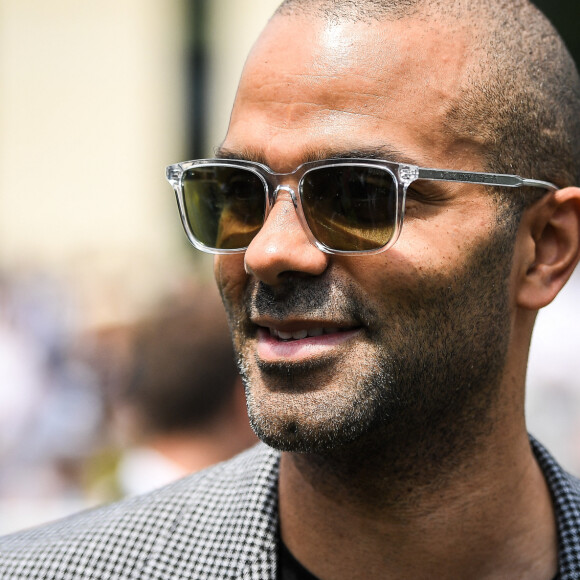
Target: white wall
[(91, 109)]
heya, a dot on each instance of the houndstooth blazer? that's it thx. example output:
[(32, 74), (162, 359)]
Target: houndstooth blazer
[(218, 524)]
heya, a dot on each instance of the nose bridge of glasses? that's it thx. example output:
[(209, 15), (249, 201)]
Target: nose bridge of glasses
[(288, 190), (278, 182)]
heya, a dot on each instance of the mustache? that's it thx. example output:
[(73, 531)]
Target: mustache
[(307, 298)]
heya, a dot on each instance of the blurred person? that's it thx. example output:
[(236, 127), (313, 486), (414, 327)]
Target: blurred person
[(50, 408), (394, 201), (177, 399), (21, 386)]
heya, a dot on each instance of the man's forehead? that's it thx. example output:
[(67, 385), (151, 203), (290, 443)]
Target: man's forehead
[(313, 88), (338, 47)]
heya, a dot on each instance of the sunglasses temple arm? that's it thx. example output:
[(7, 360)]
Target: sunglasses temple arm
[(494, 179)]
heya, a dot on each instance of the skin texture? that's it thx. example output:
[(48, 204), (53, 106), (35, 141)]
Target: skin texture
[(407, 432)]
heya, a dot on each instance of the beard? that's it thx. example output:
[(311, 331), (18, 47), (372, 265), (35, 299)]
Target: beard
[(419, 383)]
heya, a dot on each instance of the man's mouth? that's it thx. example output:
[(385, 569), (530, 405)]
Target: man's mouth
[(298, 342), (304, 333)]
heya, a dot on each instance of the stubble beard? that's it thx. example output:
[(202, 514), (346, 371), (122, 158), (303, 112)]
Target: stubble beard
[(418, 390)]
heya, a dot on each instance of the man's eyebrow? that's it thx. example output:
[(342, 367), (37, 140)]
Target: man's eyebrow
[(384, 153), (245, 154)]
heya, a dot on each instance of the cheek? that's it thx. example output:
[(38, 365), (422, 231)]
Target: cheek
[(230, 277), (389, 275)]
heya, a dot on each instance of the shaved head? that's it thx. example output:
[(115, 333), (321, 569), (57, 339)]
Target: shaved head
[(520, 98)]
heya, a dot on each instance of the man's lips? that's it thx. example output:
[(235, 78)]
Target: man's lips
[(299, 342)]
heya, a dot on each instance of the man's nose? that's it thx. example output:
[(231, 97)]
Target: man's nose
[(282, 248)]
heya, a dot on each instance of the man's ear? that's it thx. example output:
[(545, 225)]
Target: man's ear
[(548, 246)]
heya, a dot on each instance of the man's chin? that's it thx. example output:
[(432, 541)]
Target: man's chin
[(294, 437), (307, 417)]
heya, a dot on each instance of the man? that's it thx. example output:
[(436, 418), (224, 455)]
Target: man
[(385, 359)]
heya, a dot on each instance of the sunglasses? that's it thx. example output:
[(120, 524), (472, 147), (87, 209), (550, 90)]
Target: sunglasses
[(346, 206)]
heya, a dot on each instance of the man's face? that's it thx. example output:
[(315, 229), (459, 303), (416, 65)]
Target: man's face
[(336, 347)]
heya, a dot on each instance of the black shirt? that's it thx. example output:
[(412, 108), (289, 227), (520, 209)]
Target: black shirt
[(289, 567)]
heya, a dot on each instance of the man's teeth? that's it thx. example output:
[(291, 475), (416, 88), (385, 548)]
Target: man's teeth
[(300, 334)]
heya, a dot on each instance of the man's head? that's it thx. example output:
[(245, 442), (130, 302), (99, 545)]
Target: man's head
[(419, 343)]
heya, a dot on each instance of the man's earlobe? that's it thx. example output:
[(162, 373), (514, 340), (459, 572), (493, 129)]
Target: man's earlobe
[(550, 236)]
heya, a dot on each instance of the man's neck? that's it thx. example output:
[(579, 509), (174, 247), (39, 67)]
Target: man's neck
[(490, 517)]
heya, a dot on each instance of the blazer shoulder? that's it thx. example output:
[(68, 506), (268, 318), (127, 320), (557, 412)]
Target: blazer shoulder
[(204, 518), (565, 491)]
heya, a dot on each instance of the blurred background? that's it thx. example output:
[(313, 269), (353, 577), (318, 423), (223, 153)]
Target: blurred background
[(98, 286)]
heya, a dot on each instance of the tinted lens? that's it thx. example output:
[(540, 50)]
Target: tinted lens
[(224, 206), (350, 207)]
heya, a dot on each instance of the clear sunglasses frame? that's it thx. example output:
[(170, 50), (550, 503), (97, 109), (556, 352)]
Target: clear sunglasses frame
[(403, 175)]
